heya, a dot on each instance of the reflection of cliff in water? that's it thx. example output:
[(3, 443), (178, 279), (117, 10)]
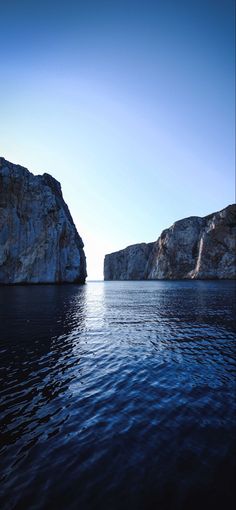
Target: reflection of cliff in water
[(36, 325), (40, 313)]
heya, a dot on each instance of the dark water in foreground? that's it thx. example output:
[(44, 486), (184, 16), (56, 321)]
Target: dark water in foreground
[(118, 396)]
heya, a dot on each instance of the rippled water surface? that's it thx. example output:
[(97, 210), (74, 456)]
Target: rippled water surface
[(118, 395)]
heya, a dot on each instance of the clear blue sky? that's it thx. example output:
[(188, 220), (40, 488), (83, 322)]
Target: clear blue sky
[(129, 104)]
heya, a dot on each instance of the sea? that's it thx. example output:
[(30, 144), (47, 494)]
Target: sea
[(118, 396)]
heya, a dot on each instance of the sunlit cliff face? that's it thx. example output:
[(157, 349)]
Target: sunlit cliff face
[(38, 239)]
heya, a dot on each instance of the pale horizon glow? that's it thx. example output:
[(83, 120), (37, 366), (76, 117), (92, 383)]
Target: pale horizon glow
[(130, 105)]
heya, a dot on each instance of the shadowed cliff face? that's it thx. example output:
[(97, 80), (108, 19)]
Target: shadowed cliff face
[(39, 242), (192, 248), (128, 264)]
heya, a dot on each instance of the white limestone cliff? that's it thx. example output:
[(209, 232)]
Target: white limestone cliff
[(39, 242), (192, 248)]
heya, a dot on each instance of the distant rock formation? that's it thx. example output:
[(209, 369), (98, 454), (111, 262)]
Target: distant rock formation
[(39, 242), (128, 264), (192, 248)]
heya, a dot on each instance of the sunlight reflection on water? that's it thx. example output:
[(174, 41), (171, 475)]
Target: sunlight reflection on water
[(118, 395)]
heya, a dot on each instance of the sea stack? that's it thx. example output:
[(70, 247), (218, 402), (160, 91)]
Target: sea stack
[(192, 248), (39, 242)]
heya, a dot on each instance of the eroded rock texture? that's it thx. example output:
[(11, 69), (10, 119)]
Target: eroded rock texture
[(39, 242), (192, 248), (128, 264)]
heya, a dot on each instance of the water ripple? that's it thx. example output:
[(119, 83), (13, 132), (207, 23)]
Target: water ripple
[(118, 395)]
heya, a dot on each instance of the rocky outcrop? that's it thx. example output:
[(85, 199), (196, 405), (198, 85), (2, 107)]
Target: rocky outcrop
[(192, 248), (39, 242), (128, 264)]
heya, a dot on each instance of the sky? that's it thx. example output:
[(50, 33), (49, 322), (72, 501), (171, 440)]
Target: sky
[(129, 104)]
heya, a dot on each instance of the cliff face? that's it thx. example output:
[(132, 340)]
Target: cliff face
[(192, 248), (39, 242), (128, 264)]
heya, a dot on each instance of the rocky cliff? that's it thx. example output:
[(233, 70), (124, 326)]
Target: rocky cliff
[(192, 248), (128, 264), (39, 242)]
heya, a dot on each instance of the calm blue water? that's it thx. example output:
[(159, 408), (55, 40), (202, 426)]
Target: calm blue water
[(118, 395)]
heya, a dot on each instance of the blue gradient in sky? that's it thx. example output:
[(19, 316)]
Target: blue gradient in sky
[(129, 104)]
